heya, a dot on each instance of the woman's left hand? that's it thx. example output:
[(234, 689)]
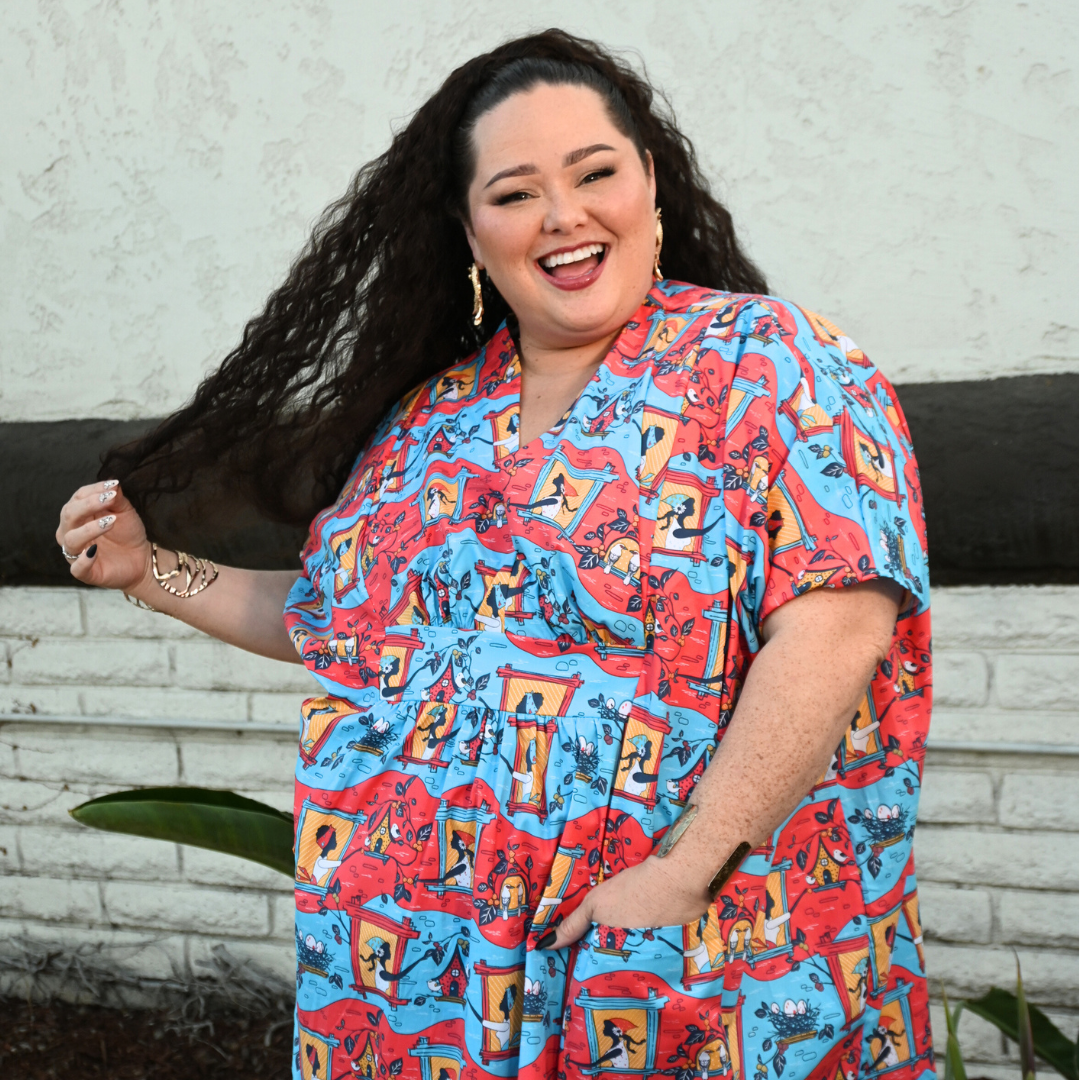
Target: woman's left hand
[(653, 893)]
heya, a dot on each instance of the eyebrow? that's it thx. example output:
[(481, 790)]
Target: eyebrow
[(570, 159)]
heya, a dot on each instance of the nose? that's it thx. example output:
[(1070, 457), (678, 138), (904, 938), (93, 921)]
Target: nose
[(565, 212)]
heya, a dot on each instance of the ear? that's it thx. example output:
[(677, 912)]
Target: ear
[(474, 247), (651, 172)]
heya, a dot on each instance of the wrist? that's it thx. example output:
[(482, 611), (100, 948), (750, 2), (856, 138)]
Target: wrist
[(688, 876), (145, 587), (700, 856)]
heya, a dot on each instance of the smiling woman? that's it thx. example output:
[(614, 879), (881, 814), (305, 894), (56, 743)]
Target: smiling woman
[(569, 236), (620, 611)]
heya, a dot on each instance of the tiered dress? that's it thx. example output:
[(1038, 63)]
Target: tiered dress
[(529, 655)]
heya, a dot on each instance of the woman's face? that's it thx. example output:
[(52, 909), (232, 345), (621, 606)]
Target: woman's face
[(555, 180)]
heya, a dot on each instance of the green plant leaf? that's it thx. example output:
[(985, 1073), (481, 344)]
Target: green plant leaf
[(1023, 1025), (954, 1060), (1001, 1009), (219, 820)]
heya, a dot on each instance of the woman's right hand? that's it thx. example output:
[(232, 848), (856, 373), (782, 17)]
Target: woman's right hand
[(102, 527)]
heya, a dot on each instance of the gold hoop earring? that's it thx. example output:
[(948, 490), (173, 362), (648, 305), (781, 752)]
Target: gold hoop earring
[(477, 295), (659, 244)]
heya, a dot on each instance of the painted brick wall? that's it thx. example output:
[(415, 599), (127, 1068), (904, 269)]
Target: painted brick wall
[(96, 695)]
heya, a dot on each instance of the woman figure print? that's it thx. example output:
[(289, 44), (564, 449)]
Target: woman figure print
[(699, 953), (379, 960), (433, 740), (324, 866), (503, 1029), (680, 535), (512, 439), (436, 500), (551, 505), (632, 764), (526, 779)]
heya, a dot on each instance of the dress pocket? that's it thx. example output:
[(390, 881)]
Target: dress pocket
[(610, 949), (632, 994), (679, 955)]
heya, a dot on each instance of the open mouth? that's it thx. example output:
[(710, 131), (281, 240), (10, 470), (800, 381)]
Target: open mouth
[(575, 265)]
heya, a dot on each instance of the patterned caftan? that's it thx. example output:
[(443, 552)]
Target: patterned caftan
[(529, 655)]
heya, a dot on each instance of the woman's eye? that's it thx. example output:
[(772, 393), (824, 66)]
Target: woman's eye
[(597, 174), (513, 196)]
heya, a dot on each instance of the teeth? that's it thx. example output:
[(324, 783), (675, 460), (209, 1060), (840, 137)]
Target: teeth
[(571, 256)]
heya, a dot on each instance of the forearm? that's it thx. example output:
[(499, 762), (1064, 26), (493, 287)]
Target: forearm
[(242, 607), (798, 699)]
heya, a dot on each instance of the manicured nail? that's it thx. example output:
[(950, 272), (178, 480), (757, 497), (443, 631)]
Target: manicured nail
[(110, 484), (106, 521), (106, 496), (91, 551), (547, 940)]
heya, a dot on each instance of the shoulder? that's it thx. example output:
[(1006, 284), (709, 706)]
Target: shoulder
[(448, 391), (748, 329), (758, 320), (480, 376), (794, 360)]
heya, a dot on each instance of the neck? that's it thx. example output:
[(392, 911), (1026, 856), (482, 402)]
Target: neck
[(552, 378), (566, 362)]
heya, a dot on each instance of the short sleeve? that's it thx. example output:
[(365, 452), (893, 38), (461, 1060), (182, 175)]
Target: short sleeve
[(821, 483)]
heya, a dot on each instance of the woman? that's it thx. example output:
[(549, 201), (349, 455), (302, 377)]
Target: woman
[(792, 591)]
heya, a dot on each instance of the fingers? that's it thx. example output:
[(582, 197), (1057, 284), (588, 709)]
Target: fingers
[(92, 500), (77, 540), (84, 566), (571, 929)]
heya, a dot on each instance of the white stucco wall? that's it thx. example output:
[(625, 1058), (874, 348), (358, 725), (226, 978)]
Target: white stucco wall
[(908, 169)]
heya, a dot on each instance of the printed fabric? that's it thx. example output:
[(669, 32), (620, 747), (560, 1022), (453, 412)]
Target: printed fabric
[(529, 655)]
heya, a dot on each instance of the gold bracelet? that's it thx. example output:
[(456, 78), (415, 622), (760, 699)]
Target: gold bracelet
[(193, 568), (731, 864), (139, 603)]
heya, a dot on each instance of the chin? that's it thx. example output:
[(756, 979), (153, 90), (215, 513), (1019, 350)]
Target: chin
[(585, 313)]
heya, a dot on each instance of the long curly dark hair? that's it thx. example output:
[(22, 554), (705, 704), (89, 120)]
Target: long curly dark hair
[(379, 300)]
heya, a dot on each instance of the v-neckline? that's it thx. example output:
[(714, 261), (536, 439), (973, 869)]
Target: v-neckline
[(556, 433)]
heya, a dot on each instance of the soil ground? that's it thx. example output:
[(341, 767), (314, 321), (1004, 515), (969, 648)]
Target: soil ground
[(87, 1042)]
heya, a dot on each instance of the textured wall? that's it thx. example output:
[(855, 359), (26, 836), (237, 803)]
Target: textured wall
[(996, 848), (908, 169)]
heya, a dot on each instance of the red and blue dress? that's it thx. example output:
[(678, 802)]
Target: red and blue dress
[(529, 655)]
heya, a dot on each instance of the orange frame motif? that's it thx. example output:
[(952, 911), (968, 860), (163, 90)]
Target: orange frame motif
[(864, 471), (506, 976), (641, 718), (706, 490), (402, 932)]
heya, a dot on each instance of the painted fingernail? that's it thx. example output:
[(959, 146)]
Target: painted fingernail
[(91, 551), (110, 484), (106, 521), (106, 496), (547, 940)]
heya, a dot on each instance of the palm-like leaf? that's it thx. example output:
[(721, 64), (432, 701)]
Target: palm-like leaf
[(218, 820), (1002, 1009)]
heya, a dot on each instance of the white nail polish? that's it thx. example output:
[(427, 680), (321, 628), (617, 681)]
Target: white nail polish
[(106, 521), (106, 496), (110, 484)]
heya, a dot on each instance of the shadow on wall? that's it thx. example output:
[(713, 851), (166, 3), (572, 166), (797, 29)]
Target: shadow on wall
[(998, 461)]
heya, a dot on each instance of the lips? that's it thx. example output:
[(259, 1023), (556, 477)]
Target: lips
[(574, 268)]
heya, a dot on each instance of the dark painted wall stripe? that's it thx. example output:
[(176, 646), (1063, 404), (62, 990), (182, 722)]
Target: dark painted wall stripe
[(998, 460), (998, 463)]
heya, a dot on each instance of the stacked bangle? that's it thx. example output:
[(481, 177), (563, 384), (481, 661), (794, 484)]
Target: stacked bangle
[(197, 573)]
